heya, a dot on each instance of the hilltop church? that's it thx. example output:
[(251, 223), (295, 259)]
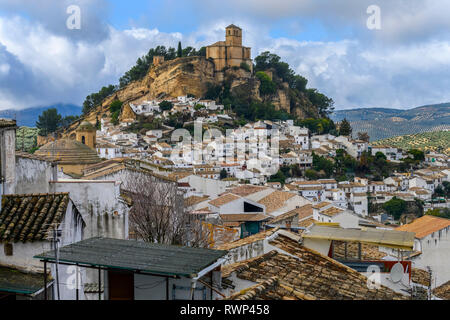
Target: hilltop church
[(230, 53)]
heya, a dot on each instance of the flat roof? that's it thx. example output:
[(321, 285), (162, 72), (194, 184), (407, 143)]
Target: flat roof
[(388, 238), (20, 282), (136, 256)]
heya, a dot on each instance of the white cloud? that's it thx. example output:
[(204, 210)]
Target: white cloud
[(42, 65)]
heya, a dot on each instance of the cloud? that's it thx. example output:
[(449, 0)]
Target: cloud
[(42, 64)]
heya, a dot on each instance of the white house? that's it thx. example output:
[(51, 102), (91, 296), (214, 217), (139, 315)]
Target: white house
[(28, 223), (432, 242)]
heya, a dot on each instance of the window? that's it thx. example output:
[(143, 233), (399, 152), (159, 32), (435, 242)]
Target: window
[(83, 140), (8, 247)]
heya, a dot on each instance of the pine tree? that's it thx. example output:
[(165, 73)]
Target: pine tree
[(180, 50), (345, 129)]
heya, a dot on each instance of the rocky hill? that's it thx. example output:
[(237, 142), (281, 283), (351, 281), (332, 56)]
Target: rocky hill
[(194, 76), (383, 123)]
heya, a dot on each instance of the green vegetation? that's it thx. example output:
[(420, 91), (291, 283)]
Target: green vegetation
[(318, 126), (26, 139), (223, 174), (345, 129), (439, 212), (245, 66), (297, 84), (165, 105), (95, 99), (278, 177), (442, 191), (267, 86), (50, 121), (395, 207), (115, 108), (428, 141), (139, 71)]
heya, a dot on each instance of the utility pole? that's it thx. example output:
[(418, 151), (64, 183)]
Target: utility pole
[(430, 271), (56, 233)]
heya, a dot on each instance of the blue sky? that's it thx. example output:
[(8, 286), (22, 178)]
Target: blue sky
[(404, 64)]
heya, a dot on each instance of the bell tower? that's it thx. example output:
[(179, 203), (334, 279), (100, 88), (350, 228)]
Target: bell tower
[(233, 36)]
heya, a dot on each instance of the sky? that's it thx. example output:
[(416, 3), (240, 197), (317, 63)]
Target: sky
[(402, 64)]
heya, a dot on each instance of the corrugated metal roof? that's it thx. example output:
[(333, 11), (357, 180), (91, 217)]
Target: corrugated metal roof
[(137, 256), (388, 238)]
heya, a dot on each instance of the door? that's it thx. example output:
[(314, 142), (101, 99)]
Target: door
[(121, 285)]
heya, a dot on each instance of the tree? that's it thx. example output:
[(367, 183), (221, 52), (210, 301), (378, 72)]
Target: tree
[(180, 50), (115, 108), (158, 213), (311, 174), (223, 174), (48, 122), (364, 136), (395, 207), (345, 129), (245, 66), (166, 105), (267, 85), (67, 120), (278, 177), (417, 154), (96, 99)]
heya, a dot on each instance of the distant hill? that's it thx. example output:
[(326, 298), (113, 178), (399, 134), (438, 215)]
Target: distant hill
[(428, 141), (382, 123), (28, 117)]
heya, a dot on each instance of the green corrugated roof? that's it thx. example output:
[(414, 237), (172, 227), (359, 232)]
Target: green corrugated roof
[(16, 281), (137, 256)]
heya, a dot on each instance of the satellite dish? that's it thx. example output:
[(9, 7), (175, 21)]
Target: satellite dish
[(397, 272)]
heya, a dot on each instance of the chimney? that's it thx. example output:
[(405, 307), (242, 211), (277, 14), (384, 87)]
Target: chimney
[(7, 156)]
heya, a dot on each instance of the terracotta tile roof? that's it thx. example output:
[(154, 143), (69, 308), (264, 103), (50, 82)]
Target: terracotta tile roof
[(193, 200), (255, 291), (321, 205), (275, 200), (420, 276), (425, 225), (331, 212), (28, 217), (224, 199), (301, 212), (247, 190), (306, 223), (443, 291), (180, 174), (306, 275), (242, 242), (7, 123), (30, 156)]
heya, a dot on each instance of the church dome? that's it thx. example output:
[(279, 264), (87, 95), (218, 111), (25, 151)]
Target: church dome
[(66, 151), (86, 126)]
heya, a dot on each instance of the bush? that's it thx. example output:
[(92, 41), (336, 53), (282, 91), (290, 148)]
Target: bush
[(395, 207), (267, 85), (245, 66)]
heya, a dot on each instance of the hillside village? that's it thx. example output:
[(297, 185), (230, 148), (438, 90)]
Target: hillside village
[(264, 211)]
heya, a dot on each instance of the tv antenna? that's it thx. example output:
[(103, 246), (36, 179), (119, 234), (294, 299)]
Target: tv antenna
[(54, 234)]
